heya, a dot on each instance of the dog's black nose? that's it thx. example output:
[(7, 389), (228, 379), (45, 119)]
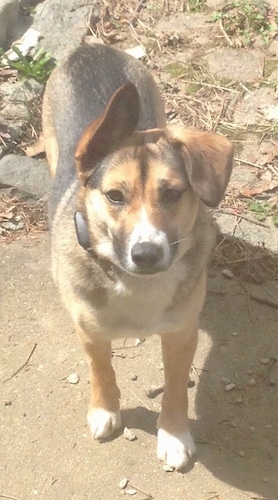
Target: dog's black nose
[(146, 255)]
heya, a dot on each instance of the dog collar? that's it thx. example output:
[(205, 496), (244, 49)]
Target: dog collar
[(82, 232), (83, 239)]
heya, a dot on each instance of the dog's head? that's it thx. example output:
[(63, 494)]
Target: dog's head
[(141, 190)]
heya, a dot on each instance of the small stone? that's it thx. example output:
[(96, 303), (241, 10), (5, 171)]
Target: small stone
[(229, 387), (138, 342), (272, 382), (225, 380), (129, 435), (266, 480), (168, 468), (234, 334), (73, 378), (10, 226), (252, 382), (7, 403), (241, 453), (264, 361), (249, 372), (227, 273), (131, 491), (123, 483), (252, 429), (154, 391), (239, 400), (134, 377)]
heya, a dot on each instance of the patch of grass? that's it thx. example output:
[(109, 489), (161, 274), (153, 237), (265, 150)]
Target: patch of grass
[(196, 5), (176, 69), (193, 74), (245, 19), (263, 210), (270, 65), (155, 8), (38, 66)]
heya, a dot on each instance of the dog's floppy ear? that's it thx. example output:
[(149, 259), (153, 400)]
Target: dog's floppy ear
[(208, 159), (118, 121)]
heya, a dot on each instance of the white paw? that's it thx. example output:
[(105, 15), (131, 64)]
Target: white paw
[(175, 451), (103, 423)]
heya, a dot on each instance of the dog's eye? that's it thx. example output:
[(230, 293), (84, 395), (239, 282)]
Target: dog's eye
[(115, 196), (171, 196)]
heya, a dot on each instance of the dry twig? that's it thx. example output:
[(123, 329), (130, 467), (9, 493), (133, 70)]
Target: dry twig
[(24, 364), (8, 496)]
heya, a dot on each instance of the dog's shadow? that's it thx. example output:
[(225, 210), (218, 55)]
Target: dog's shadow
[(146, 420), (236, 429), (140, 418)]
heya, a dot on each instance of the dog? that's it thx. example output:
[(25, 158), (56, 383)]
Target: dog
[(130, 229)]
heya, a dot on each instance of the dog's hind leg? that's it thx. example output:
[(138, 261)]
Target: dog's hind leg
[(104, 409)]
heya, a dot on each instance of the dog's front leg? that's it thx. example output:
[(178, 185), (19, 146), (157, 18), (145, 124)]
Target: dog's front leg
[(104, 409), (175, 445)]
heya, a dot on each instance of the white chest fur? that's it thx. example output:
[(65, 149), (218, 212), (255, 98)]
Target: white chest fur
[(142, 306)]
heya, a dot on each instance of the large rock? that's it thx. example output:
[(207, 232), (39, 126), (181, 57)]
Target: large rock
[(62, 24), (17, 102), (255, 235), (9, 10), (238, 65), (250, 110), (27, 174)]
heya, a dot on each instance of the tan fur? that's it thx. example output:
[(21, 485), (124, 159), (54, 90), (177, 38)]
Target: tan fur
[(49, 136), (104, 292)]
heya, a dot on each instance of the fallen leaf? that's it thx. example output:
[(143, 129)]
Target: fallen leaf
[(248, 193), (268, 153), (4, 132), (6, 216)]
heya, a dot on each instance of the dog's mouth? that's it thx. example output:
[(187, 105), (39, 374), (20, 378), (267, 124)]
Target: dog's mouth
[(146, 270)]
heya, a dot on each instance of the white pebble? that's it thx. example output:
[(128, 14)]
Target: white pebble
[(138, 342), (227, 273), (123, 483), (234, 334), (241, 453), (129, 435), (229, 387), (264, 361), (252, 382), (73, 378), (131, 491)]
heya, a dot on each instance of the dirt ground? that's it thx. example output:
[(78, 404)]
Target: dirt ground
[(46, 450)]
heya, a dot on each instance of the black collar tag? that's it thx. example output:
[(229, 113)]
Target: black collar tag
[(82, 231), (84, 241)]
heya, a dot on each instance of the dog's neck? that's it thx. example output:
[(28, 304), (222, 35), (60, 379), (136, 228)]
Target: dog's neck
[(83, 239)]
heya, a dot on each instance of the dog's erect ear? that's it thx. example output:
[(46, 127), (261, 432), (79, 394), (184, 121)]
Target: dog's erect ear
[(208, 161), (118, 121)]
